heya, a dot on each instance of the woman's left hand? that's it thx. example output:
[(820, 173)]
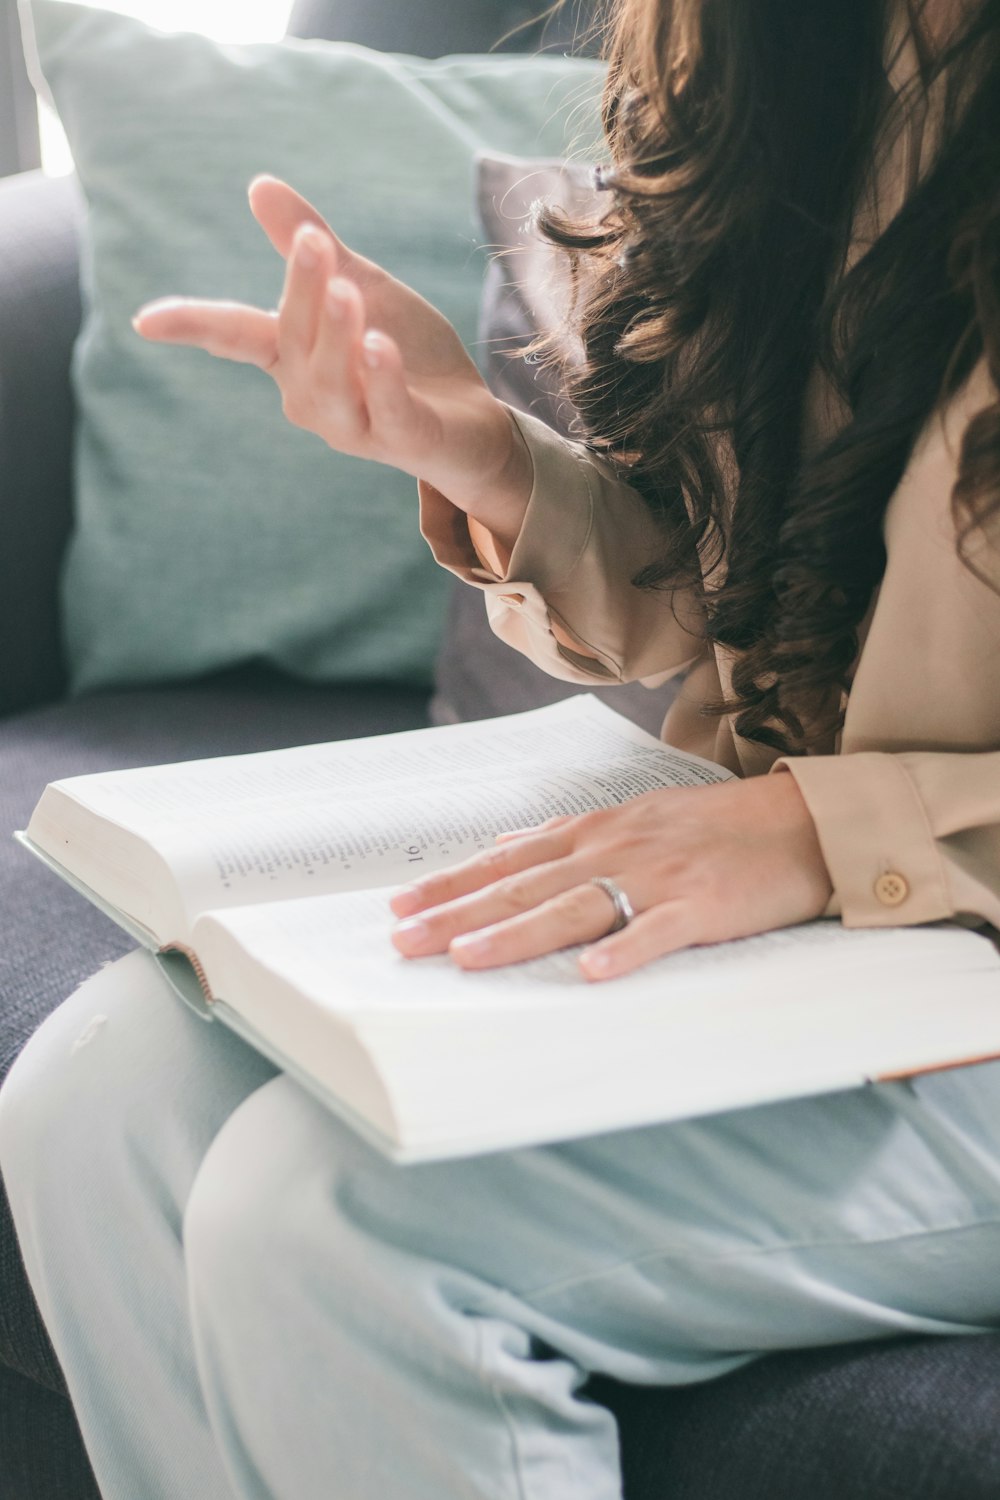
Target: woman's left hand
[(699, 865)]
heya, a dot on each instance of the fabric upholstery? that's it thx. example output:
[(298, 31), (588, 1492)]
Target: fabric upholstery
[(41, 1453), (208, 529), (431, 30), (914, 1420), (39, 318)]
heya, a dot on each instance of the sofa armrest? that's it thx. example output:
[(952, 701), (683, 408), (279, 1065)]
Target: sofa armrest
[(39, 318)]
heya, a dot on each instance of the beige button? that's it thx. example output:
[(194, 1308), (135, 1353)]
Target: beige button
[(514, 600), (891, 888)]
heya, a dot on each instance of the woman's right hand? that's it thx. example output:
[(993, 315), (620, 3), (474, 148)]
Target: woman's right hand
[(364, 362)]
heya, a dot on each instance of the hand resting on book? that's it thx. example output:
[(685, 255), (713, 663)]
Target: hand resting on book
[(699, 865)]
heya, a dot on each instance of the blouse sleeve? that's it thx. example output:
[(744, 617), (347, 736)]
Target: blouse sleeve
[(912, 834), (911, 837), (566, 598)]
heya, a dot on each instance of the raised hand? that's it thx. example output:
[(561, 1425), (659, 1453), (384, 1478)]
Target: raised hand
[(364, 362)]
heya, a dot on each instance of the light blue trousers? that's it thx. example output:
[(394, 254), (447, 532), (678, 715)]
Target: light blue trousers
[(248, 1302)]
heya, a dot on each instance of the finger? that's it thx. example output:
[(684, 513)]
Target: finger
[(662, 929), (310, 265), (280, 210), (479, 871), (229, 330), (520, 833), (398, 420), (579, 915), (335, 373), (434, 930)]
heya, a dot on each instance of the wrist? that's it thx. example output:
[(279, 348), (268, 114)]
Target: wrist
[(502, 495), (491, 477)]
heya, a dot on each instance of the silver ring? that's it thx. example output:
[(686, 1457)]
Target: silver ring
[(624, 910)]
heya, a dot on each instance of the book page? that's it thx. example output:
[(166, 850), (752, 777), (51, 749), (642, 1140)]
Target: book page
[(275, 826), (531, 1052), (337, 949)]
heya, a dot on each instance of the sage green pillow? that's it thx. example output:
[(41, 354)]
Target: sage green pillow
[(208, 531)]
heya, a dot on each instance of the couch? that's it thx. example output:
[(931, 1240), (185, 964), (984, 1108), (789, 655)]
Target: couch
[(918, 1419)]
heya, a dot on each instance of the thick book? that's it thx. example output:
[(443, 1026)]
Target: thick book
[(261, 882)]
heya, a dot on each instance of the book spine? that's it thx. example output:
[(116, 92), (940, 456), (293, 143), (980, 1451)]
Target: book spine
[(196, 964), (183, 972)]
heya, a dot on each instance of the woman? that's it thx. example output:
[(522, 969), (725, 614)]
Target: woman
[(789, 378)]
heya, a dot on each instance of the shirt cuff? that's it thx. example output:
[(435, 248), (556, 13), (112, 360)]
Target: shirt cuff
[(556, 525), (553, 537), (882, 857)]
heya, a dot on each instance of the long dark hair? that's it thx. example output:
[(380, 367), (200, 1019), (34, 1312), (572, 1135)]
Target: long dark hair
[(743, 136)]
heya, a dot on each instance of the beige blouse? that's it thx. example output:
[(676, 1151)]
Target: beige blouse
[(907, 803)]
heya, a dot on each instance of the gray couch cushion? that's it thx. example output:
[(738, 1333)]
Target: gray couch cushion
[(913, 1420), (431, 28), (39, 318), (41, 1452)]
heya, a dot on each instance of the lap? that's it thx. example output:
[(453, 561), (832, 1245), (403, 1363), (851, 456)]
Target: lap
[(839, 1217), (644, 1254), (121, 1074)]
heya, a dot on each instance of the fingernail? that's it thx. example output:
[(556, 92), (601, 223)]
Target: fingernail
[(160, 304), (307, 250), (371, 350), (413, 930), (408, 895), (595, 962), (334, 299), (471, 945)]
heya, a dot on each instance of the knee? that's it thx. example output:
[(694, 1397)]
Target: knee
[(267, 1186), (237, 1210), (79, 1072), (290, 1205), (49, 1072)]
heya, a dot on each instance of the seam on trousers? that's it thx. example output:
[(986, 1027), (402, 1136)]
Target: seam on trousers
[(538, 1294), (501, 1407)]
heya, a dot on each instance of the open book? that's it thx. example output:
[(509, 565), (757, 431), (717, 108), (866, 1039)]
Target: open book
[(262, 882)]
